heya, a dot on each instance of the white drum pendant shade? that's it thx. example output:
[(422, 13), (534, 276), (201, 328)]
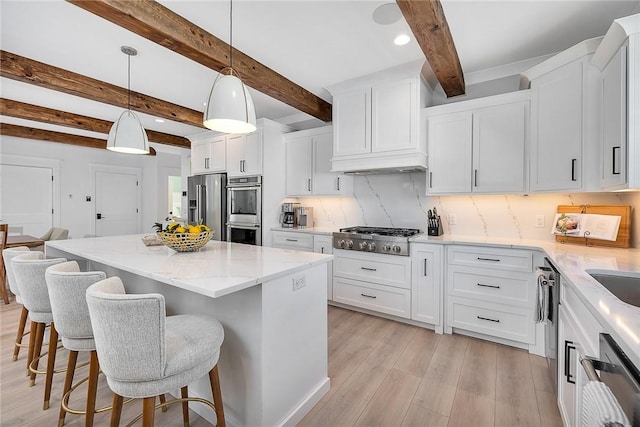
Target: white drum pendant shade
[(230, 107), (127, 135)]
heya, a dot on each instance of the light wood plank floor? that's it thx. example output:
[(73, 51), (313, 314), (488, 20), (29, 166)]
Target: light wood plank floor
[(383, 373)]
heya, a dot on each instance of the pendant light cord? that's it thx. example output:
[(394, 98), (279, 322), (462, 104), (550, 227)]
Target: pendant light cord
[(231, 34), (129, 82)]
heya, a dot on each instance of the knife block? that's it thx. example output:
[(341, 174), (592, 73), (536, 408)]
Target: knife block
[(435, 231)]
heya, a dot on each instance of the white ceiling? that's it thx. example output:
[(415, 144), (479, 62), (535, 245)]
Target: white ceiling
[(313, 43)]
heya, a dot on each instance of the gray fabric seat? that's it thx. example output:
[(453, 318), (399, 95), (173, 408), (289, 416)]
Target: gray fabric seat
[(56, 233), (144, 353), (29, 271), (8, 255), (67, 287)]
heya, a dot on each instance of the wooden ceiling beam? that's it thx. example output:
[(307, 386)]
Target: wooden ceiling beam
[(59, 137), (159, 24), (9, 107), (16, 67), (429, 26)]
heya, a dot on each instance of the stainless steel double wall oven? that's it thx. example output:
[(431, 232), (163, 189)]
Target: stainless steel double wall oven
[(244, 210)]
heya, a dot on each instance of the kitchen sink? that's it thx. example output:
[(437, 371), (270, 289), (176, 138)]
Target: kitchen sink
[(624, 285)]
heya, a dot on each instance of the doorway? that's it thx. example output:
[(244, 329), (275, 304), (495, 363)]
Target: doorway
[(118, 209)]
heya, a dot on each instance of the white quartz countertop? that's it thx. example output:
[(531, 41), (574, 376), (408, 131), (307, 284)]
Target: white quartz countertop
[(327, 231), (618, 318), (216, 270)]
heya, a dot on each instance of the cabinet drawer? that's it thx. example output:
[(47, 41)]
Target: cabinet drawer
[(497, 320), (495, 258), (494, 286), (384, 299), (374, 268), (293, 240)]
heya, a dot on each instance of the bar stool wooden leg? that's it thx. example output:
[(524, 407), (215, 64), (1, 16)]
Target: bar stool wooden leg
[(116, 410), (68, 381), (163, 400), (3, 283), (32, 337), (148, 411), (37, 351), (23, 322), (184, 393), (51, 364), (94, 371), (217, 396)]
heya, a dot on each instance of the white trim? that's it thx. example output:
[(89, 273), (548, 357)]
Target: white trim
[(96, 167), (501, 71), (40, 162)]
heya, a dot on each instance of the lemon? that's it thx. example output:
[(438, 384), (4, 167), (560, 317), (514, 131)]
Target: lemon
[(194, 229), (180, 229)]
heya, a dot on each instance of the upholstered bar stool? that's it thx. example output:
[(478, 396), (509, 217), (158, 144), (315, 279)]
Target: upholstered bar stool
[(144, 353), (67, 287), (8, 255), (29, 271)]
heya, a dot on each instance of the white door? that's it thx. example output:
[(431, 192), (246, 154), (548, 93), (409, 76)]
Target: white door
[(325, 182), (393, 125), (298, 171), (253, 154), (449, 153), (352, 112), (235, 154), (27, 198), (117, 203)]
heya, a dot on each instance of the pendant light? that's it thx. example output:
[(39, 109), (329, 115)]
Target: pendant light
[(230, 107), (127, 134)]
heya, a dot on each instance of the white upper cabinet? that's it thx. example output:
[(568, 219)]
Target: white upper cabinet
[(244, 154), (308, 162), (394, 116), (478, 146), (618, 57), (353, 135), (556, 115), (208, 155), (376, 121)]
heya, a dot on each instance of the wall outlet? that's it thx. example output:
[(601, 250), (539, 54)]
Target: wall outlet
[(539, 221), (329, 216), (299, 282), (453, 219)]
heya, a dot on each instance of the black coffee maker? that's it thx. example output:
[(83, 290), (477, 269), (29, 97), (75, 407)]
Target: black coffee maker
[(288, 217)]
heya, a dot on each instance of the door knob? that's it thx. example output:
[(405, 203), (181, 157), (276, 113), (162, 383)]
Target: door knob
[(99, 216)]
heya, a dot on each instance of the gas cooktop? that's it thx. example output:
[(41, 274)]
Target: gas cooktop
[(383, 240)]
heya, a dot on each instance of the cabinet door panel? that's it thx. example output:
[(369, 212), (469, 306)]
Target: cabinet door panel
[(393, 108), (200, 157), (235, 154), (498, 148), (218, 161), (426, 284), (298, 167), (252, 154), (324, 181), (614, 121), (557, 109), (352, 123), (449, 154)]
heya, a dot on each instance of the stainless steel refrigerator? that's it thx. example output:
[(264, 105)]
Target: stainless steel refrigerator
[(207, 196)]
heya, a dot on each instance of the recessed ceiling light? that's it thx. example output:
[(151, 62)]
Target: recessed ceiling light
[(159, 120), (401, 40)]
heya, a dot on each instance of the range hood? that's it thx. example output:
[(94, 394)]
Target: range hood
[(380, 163)]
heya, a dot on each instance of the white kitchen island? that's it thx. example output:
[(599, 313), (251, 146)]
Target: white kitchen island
[(271, 302)]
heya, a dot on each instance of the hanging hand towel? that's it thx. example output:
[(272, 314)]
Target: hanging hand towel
[(540, 313), (600, 407)]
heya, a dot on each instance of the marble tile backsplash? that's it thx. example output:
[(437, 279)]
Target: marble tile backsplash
[(399, 200)]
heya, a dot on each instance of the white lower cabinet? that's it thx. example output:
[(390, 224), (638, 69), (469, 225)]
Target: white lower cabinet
[(372, 281), (323, 244), (426, 284), (578, 333), (491, 291)]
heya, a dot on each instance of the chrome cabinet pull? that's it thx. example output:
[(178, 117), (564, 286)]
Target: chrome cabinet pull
[(425, 267), (369, 296), (430, 179), (613, 162), (368, 269), (573, 169), (488, 259), (338, 183), (488, 319), (292, 240), (475, 177), (488, 286), (206, 163), (309, 184)]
